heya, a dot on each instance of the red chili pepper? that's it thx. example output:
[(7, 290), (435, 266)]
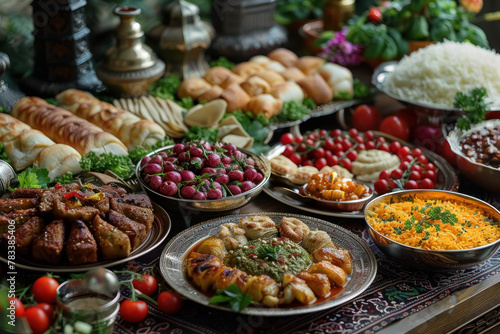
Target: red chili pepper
[(375, 15), (73, 194), (58, 186), (280, 260)]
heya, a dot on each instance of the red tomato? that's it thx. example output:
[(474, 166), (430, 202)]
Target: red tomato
[(448, 154), (288, 151), (307, 163), (361, 147), (411, 184), (18, 306), (320, 163), (495, 114), (328, 145), (416, 152), (415, 176), (380, 140), (426, 184), (384, 147), (404, 165), (381, 186), (410, 117), (339, 154), (369, 135), (335, 133), (395, 126), (299, 139), (422, 159), (45, 290), (397, 174), (310, 142), (296, 158), (358, 139), (365, 118), (287, 139), (430, 174), (319, 153), (416, 168), (346, 144), (147, 286), (323, 133), (332, 160), (133, 311), (370, 145), (430, 166), (384, 175), (395, 146), (408, 158), (37, 319), (393, 185), (375, 15), (353, 155), (403, 152), (337, 147), (48, 309), (170, 302), (353, 132), (346, 163), (301, 148)]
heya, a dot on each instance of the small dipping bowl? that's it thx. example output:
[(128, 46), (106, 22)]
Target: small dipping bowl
[(93, 299), (352, 205)]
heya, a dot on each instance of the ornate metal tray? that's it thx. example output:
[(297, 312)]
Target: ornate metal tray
[(364, 263)]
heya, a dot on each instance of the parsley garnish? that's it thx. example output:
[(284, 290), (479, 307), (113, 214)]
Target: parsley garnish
[(233, 296), (272, 252), (397, 230), (475, 106)]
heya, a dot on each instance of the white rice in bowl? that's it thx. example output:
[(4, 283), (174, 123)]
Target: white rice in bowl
[(434, 74)]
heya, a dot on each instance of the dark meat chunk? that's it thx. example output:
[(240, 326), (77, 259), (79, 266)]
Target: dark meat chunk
[(85, 213), (135, 231), (19, 217), (112, 192), (112, 242), (140, 215), (48, 246), (103, 205), (141, 200), (25, 234), (10, 204), (81, 246), (48, 197), (28, 193)]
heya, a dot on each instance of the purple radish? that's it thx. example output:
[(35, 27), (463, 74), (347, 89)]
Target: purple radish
[(247, 185), (183, 157), (234, 189), (226, 160), (179, 148), (229, 147), (208, 170), (168, 166), (236, 175), (217, 185), (179, 168), (259, 177), (197, 163), (155, 182), (195, 152), (221, 171), (147, 179), (250, 162), (214, 194), (206, 145), (187, 175), (250, 174), (188, 192), (222, 179), (213, 160), (169, 188), (152, 168), (171, 159), (173, 176), (200, 196), (237, 155), (157, 159), (145, 160), (163, 154)]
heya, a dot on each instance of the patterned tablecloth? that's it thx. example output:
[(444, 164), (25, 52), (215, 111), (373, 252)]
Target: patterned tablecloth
[(397, 292)]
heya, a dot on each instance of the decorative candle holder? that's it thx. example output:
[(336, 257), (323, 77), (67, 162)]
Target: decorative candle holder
[(129, 67), (182, 39)]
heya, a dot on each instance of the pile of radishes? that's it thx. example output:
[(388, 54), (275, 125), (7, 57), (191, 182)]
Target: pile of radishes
[(201, 171)]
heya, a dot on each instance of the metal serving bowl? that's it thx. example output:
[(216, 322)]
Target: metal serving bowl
[(483, 175), (433, 260), (217, 205)]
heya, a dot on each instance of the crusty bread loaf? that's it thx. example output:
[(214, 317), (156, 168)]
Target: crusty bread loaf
[(59, 159), (264, 104), (193, 87), (316, 88), (130, 129), (23, 150), (63, 127), (235, 97), (284, 56), (10, 128)]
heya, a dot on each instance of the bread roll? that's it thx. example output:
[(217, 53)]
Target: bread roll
[(263, 60), (256, 86), (273, 78), (338, 77), (276, 66), (59, 159), (235, 97), (265, 104), (63, 127), (309, 65), (247, 69), (293, 74), (10, 128), (284, 56), (216, 75), (130, 129), (316, 88), (193, 87), (212, 94), (23, 150), (233, 78), (288, 91)]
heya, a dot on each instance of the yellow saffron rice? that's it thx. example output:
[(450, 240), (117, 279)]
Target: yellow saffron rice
[(434, 224)]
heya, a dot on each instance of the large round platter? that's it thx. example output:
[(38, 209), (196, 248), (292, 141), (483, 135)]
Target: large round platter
[(364, 263), (447, 180), (156, 235)]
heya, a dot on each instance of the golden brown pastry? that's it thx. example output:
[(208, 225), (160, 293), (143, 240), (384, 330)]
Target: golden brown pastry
[(303, 174), (319, 283), (64, 127), (309, 64), (315, 240), (275, 66), (273, 78), (293, 74), (235, 97), (233, 78), (212, 94), (316, 88), (193, 87), (335, 274), (207, 115), (10, 128), (232, 236), (214, 246), (130, 129), (283, 165), (336, 255), (258, 227), (293, 229), (255, 85), (288, 91), (216, 75), (247, 69), (59, 159), (284, 56), (264, 104), (24, 149)]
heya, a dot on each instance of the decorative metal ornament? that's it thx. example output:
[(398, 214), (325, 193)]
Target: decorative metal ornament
[(130, 67), (62, 58), (336, 13), (182, 39), (8, 97)]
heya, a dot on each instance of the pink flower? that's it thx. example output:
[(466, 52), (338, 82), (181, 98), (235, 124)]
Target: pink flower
[(339, 50)]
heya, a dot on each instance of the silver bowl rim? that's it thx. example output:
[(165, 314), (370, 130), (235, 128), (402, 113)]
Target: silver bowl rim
[(456, 135), (416, 191), (267, 174)]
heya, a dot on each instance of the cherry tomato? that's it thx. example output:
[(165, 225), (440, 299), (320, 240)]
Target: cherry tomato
[(393, 185), (430, 166), (369, 135), (328, 145), (296, 158), (323, 133), (45, 290), (335, 133), (339, 154), (416, 168), (37, 319), (375, 15), (299, 139), (353, 132), (48, 309), (133, 311), (380, 140), (370, 145), (365, 118), (381, 186), (146, 286), (404, 165), (361, 147), (310, 142), (320, 163), (319, 153), (416, 152), (411, 184), (422, 159), (358, 139), (337, 147), (307, 163), (494, 114), (396, 174), (18, 306), (288, 151), (353, 155), (346, 144), (346, 163), (395, 126), (403, 152), (287, 139), (410, 117), (301, 148), (332, 160), (415, 176), (384, 175), (395, 146), (448, 154), (384, 147), (426, 184), (170, 302), (408, 158), (430, 174)]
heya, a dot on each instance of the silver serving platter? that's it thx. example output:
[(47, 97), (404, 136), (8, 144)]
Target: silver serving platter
[(364, 263), (447, 179), (155, 237)]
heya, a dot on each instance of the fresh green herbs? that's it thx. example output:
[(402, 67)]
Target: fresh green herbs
[(139, 152), (233, 297), (206, 134), (120, 165), (446, 217), (268, 252), (64, 179), (3, 155), (474, 104), (293, 111), (361, 90), (33, 177), (222, 61), (165, 88)]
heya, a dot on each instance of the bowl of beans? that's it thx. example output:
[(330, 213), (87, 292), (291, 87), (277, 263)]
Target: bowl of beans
[(478, 153)]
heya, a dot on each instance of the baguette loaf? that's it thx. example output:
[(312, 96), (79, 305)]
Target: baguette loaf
[(10, 128), (59, 159), (63, 127), (130, 129), (23, 150)]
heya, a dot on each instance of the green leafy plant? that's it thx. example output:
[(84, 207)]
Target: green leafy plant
[(64, 179), (288, 11), (475, 106), (33, 177), (222, 61), (120, 165), (233, 297), (268, 251)]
